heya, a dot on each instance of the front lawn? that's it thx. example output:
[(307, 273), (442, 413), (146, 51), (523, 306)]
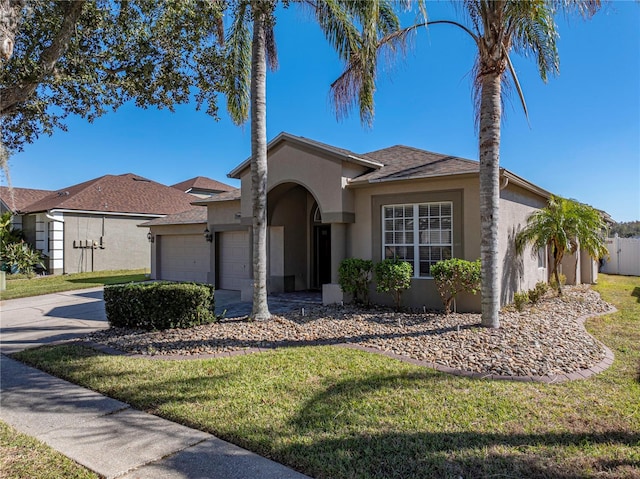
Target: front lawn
[(23, 457), (22, 288), (332, 412)]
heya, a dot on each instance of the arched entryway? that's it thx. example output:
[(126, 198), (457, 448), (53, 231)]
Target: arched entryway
[(299, 242)]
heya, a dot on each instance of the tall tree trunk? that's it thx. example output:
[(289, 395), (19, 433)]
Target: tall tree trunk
[(489, 151), (10, 18), (12, 96), (260, 310)]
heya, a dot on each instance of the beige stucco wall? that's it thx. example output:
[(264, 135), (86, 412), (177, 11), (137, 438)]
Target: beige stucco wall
[(362, 234), (125, 246), (290, 212), (324, 177), (225, 216), (517, 272)]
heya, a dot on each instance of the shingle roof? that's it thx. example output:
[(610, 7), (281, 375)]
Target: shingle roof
[(404, 162), (17, 199), (195, 215), (226, 196), (203, 183), (127, 193)]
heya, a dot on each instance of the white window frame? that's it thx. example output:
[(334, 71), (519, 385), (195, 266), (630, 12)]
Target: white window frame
[(542, 257), (417, 244)]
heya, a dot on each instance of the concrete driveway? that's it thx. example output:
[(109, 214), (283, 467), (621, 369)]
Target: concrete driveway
[(31, 322)]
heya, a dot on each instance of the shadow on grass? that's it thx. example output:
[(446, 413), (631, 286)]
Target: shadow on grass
[(461, 454), (324, 439), (339, 447), (636, 293), (116, 279)]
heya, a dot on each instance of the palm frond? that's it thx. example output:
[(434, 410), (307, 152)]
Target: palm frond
[(238, 74)]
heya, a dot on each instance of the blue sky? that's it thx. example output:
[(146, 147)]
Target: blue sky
[(582, 140)]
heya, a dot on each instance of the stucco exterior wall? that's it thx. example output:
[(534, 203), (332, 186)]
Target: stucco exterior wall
[(120, 243), (290, 212), (322, 176), (517, 272), (364, 235)]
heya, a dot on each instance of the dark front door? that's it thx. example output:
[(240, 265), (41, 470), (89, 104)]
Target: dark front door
[(322, 255)]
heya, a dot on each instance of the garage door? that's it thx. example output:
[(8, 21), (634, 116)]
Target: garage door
[(184, 258), (234, 259)]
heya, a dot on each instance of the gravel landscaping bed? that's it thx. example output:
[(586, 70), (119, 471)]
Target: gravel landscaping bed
[(544, 340)]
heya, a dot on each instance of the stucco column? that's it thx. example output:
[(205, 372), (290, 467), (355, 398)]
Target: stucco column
[(331, 293), (338, 248)]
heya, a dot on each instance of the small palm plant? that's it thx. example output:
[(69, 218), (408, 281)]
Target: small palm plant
[(564, 226)]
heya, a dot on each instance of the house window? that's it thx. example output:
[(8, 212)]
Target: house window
[(542, 257), (421, 234)]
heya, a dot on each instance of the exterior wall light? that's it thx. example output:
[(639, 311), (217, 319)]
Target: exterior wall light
[(150, 237), (208, 235)]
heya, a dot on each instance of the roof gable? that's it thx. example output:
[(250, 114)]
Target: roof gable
[(323, 148), (202, 183)]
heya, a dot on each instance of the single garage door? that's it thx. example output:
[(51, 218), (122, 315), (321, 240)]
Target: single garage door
[(233, 259), (184, 258)]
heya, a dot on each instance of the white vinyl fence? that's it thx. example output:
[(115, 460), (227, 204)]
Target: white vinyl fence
[(624, 256)]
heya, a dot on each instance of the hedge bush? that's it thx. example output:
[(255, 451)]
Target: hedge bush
[(158, 306), (453, 276), (354, 276), (393, 276)]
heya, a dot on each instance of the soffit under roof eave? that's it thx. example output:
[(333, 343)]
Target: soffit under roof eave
[(282, 137), (374, 182), (521, 182)]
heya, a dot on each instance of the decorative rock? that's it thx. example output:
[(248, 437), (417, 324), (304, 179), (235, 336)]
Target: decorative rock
[(545, 340)]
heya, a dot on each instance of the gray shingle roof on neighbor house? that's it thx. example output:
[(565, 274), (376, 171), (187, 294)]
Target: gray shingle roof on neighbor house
[(203, 183), (226, 196), (17, 199), (404, 163), (127, 193), (194, 216)]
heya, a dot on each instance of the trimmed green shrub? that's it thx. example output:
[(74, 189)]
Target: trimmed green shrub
[(537, 293), (453, 276), (354, 276), (159, 306), (393, 276), (520, 299)]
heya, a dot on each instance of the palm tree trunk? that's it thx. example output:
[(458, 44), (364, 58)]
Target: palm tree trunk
[(489, 152), (260, 311)]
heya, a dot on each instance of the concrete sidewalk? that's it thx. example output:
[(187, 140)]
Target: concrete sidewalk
[(103, 434)]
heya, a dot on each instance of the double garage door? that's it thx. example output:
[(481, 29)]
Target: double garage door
[(187, 258)]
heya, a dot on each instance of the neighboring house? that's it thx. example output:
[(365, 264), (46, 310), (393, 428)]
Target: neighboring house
[(203, 187), (92, 226), (326, 204)]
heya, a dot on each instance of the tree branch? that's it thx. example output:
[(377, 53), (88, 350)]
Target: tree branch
[(12, 96)]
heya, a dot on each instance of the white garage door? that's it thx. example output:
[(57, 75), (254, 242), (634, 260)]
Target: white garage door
[(234, 259), (184, 258)]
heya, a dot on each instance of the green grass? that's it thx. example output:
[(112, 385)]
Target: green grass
[(337, 413), (22, 288), (22, 457)]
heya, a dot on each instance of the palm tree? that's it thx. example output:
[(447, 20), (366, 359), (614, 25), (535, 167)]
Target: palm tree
[(564, 226), (348, 26), (498, 27)]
